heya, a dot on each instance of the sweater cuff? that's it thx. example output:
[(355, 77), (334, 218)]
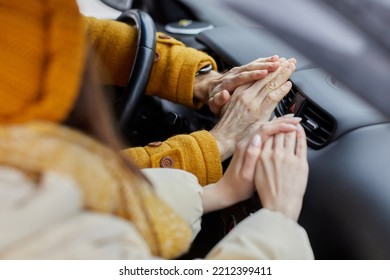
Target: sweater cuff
[(196, 153), (174, 69), (211, 155)]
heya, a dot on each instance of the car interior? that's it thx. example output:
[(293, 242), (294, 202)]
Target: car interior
[(343, 105)]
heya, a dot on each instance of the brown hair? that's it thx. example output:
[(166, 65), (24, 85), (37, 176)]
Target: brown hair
[(92, 114)]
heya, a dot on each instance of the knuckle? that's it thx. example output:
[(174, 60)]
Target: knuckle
[(241, 146), (273, 97), (243, 100), (278, 156), (265, 156), (235, 69)]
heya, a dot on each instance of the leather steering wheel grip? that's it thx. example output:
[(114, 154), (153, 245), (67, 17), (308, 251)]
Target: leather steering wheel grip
[(142, 66)]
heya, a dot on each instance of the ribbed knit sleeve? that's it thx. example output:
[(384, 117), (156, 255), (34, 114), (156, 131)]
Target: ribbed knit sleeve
[(174, 70), (115, 44), (174, 67)]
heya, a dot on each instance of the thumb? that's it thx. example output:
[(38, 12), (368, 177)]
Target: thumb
[(218, 101)]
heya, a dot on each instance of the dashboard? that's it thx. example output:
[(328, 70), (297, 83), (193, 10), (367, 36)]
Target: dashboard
[(347, 204)]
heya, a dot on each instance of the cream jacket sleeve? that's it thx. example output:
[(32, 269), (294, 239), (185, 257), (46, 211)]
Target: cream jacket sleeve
[(181, 191), (47, 220), (263, 235)]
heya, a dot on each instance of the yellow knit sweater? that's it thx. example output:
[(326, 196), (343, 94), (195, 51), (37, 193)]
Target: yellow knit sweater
[(172, 78)]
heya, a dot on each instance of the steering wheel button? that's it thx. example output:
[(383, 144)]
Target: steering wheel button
[(166, 162), (155, 144)]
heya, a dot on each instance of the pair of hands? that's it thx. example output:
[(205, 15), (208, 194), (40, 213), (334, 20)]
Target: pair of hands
[(245, 98), (215, 88), (273, 162)]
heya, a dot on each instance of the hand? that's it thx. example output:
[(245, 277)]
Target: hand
[(237, 184), (214, 89), (282, 173), (250, 106)]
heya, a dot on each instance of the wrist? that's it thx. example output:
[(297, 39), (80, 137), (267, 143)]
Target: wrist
[(203, 85), (216, 197), (225, 145)]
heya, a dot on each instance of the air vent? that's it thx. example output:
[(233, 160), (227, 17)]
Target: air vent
[(284, 105), (318, 125)]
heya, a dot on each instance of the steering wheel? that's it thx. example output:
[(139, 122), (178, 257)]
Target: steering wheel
[(142, 66)]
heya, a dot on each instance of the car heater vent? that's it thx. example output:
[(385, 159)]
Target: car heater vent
[(284, 105), (318, 125)]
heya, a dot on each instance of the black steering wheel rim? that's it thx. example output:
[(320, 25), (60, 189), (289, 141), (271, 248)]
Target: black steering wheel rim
[(142, 66)]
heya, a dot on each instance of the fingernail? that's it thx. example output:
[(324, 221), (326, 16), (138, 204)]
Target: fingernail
[(288, 115), (256, 141), (292, 60), (262, 72), (292, 126), (297, 118)]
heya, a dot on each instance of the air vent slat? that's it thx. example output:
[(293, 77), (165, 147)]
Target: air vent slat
[(285, 104)]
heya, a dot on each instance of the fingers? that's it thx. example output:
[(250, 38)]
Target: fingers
[(289, 137), (238, 157), (301, 146), (279, 142), (218, 101), (270, 58), (253, 71), (256, 89), (254, 85), (267, 92), (287, 124), (290, 142), (267, 146), (269, 62), (251, 156), (278, 94), (260, 65), (271, 100), (277, 78), (244, 76), (289, 118), (272, 128), (287, 69), (286, 116), (282, 172)]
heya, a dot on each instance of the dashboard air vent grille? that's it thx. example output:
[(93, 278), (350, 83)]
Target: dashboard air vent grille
[(283, 106), (318, 125)]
